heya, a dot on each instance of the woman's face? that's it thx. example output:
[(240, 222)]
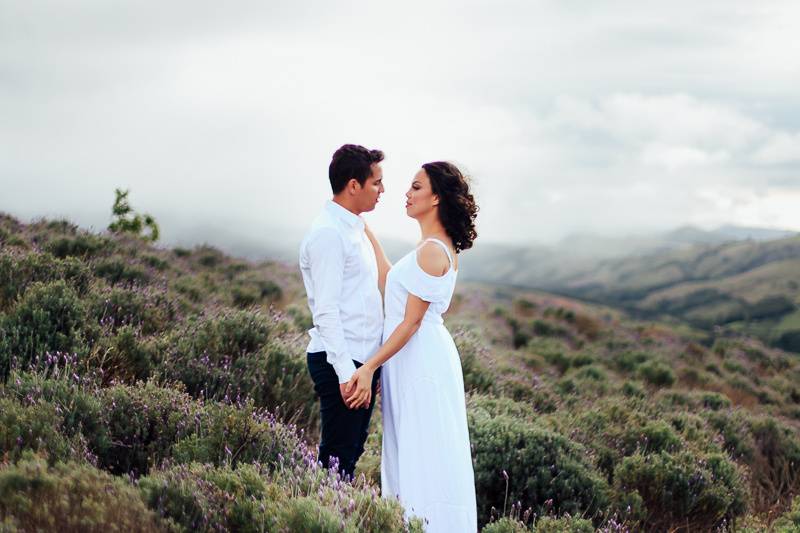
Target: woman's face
[(419, 197)]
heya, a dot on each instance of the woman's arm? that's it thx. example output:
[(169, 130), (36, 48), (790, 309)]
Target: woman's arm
[(383, 262), (433, 261), (360, 386)]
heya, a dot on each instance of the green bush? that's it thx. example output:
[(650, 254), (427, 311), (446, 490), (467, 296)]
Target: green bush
[(70, 497), (232, 356), (666, 490), (789, 522), (143, 423), (246, 293), (124, 356), (227, 434), (34, 427), (540, 465), (18, 272), (82, 245), (118, 270), (657, 373), (565, 524), (478, 376), (148, 309), (251, 498), (49, 318), (629, 361), (505, 525)]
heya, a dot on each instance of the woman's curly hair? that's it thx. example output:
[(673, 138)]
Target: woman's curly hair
[(457, 207)]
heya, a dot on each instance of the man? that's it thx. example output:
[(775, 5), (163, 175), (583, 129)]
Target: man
[(340, 274)]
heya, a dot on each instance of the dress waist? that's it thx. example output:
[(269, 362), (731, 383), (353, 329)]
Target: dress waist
[(426, 319)]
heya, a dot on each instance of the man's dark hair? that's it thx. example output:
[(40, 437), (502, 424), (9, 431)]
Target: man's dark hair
[(351, 161)]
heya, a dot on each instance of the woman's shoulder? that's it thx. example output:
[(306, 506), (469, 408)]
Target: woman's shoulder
[(433, 259)]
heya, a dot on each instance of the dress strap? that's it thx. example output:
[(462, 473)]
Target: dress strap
[(444, 246)]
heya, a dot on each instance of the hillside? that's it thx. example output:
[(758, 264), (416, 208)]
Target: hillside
[(168, 388), (703, 278), (747, 285)]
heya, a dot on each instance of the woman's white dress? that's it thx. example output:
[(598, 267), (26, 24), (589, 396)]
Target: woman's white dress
[(426, 459)]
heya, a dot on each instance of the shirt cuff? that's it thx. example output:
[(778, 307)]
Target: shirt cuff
[(344, 369)]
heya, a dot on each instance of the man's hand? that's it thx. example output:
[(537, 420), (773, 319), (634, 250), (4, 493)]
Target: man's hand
[(344, 389), (361, 386)]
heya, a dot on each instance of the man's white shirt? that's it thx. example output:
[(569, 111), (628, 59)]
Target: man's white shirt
[(340, 274)]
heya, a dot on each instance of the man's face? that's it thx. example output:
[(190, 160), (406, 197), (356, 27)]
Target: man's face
[(373, 188)]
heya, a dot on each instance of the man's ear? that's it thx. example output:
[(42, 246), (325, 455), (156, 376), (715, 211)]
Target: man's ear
[(353, 186)]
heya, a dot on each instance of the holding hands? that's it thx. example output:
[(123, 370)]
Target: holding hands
[(359, 388)]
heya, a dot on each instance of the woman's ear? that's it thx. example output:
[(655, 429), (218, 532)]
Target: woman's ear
[(435, 199)]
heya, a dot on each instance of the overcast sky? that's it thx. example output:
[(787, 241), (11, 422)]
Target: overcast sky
[(571, 115)]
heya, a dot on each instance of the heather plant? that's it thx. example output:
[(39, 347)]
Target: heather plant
[(125, 355), (151, 310), (70, 497), (77, 400), (478, 376), (50, 317), (298, 495), (789, 522), (657, 373), (143, 423), (519, 460), (666, 490), (117, 269), (564, 524), (242, 355), (234, 434), (19, 271), (83, 245), (34, 427)]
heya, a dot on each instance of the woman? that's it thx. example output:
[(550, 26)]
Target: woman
[(426, 460)]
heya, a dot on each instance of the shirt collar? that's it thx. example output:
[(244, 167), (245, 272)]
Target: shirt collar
[(352, 220)]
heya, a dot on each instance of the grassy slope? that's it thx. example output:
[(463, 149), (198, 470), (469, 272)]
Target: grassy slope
[(552, 367)]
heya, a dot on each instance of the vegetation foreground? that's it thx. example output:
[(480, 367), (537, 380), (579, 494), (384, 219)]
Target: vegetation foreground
[(150, 389)]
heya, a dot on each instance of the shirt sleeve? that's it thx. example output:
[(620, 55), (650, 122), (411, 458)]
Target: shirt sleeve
[(423, 285), (327, 257)]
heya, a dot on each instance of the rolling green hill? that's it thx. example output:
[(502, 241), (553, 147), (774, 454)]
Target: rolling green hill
[(167, 389), (742, 286)]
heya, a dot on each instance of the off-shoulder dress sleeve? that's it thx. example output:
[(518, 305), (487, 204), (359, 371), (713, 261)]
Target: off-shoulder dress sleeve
[(425, 286)]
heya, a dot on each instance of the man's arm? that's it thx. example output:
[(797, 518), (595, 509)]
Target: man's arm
[(326, 257)]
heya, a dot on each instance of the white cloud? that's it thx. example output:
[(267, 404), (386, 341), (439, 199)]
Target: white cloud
[(779, 148), (600, 118)]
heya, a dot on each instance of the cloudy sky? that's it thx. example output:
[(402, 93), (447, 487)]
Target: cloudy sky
[(571, 115)]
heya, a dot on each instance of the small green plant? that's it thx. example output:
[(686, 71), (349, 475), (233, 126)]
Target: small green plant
[(127, 221)]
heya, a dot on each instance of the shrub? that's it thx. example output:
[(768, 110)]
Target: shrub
[(231, 356), (34, 427), (252, 498), (505, 525), (657, 373), (117, 270), (540, 466), (225, 434), (251, 292), (17, 273), (565, 524), (151, 310), (144, 422), (629, 361), (477, 375), (776, 461), (82, 245), (789, 522), (70, 497), (668, 491), (49, 318), (125, 356)]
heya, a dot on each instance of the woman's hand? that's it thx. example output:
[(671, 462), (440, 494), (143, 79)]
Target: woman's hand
[(360, 388)]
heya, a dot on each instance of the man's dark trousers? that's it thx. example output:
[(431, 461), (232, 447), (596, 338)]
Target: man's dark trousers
[(344, 430)]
